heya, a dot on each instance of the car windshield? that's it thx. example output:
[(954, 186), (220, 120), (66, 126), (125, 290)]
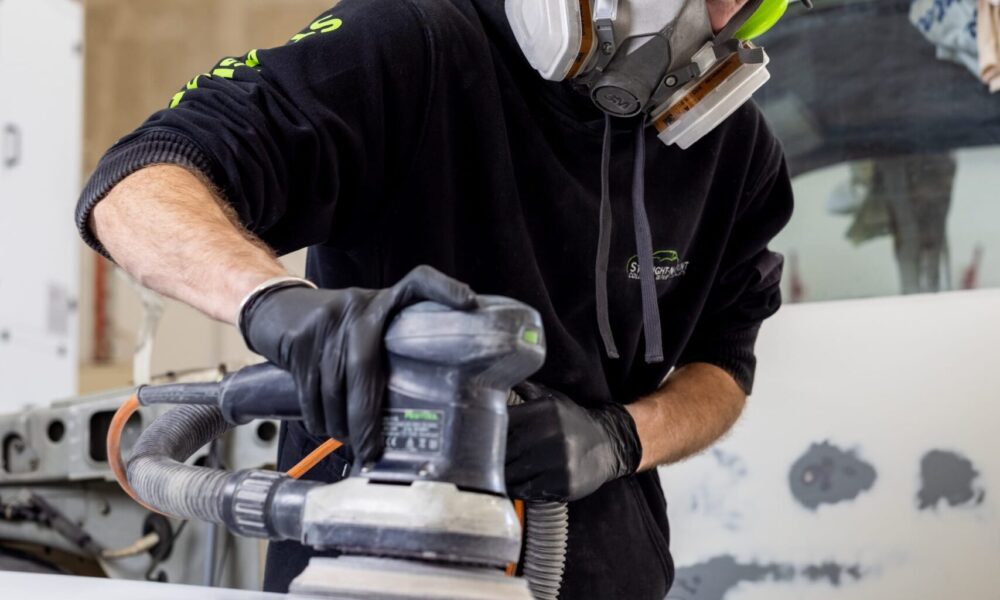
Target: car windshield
[(893, 140)]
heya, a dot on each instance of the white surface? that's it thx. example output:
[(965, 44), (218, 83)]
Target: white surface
[(889, 379), (57, 587), (41, 70), (364, 577)]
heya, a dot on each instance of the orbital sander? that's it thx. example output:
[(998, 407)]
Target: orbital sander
[(429, 519)]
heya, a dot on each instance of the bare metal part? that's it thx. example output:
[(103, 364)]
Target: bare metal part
[(37, 456), (63, 439)]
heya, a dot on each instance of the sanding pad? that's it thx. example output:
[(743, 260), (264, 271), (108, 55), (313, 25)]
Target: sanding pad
[(369, 578), (426, 520)]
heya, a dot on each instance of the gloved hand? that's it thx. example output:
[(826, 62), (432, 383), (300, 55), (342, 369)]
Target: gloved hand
[(558, 450), (331, 341)]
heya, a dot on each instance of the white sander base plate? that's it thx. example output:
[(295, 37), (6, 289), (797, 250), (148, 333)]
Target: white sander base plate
[(426, 520), (369, 578)]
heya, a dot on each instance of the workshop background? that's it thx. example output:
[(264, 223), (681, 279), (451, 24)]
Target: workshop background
[(867, 464), (139, 53)]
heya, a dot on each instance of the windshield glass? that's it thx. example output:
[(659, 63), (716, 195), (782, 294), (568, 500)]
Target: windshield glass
[(893, 139)]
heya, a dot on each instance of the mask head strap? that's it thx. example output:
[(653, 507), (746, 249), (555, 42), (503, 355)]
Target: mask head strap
[(739, 19), (756, 19), (587, 40)]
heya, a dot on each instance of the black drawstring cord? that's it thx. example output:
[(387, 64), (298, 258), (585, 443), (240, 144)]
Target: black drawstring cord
[(644, 247), (604, 246)]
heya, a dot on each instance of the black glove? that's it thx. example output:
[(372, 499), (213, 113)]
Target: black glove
[(332, 342), (559, 451)]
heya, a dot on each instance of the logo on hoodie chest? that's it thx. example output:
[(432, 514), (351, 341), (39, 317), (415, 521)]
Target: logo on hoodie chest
[(667, 265)]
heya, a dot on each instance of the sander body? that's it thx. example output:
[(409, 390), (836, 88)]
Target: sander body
[(430, 518), (438, 491)]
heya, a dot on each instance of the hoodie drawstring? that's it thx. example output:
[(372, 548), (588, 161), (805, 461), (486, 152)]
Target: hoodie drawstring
[(644, 250), (604, 246)]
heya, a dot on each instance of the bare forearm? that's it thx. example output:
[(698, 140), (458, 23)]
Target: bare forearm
[(165, 227), (697, 405)]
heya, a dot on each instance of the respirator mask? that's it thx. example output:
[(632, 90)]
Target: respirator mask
[(658, 58)]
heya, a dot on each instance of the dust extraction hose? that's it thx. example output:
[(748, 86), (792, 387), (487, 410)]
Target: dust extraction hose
[(252, 503), (546, 534), (267, 504), (546, 526)]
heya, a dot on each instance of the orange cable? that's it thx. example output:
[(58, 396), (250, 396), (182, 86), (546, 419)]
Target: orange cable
[(519, 509), (122, 415), (306, 464)]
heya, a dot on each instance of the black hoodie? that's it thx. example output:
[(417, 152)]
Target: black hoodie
[(395, 133)]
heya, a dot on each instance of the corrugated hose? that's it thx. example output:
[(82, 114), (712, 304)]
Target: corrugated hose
[(162, 482), (546, 527)]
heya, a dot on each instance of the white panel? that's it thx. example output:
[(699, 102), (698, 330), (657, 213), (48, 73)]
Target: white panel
[(40, 141), (887, 384), (57, 587)]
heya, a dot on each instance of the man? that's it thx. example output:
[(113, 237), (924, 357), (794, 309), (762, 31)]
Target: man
[(393, 134)]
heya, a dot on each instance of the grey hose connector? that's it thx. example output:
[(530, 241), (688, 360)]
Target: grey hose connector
[(546, 535), (252, 503)]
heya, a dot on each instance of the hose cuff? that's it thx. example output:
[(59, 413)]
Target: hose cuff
[(250, 300)]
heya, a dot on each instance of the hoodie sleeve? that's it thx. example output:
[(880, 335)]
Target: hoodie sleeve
[(294, 137), (747, 287)]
